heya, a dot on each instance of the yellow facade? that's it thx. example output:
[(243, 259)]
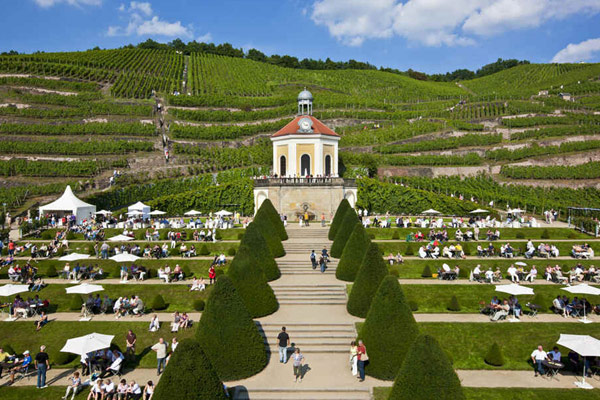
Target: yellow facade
[(282, 150), (302, 149), (328, 150)]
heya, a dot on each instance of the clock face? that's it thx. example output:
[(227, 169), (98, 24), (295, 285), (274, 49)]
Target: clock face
[(305, 124)]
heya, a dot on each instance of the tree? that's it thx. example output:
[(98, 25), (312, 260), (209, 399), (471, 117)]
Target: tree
[(353, 253), (337, 218), (228, 334), (255, 240), (344, 232), (389, 330), (189, 375), (371, 273), (250, 281), (265, 226), (273, 216), (426, 374)]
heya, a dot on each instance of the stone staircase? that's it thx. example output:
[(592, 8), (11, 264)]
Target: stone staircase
[(305, 393), (314, 338), (310, 294)]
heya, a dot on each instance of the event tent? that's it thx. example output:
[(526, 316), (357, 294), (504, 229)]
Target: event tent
[(69, 204), (143, 209)]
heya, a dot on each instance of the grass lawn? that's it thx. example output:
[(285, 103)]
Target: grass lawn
[(505, 233), (177, 297), (468, 343), (435, 298), (412, 269), (381, 393), (22, 336)]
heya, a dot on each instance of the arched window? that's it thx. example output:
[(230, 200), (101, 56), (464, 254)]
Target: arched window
[(327, 165), (305, 165), (282, 166)]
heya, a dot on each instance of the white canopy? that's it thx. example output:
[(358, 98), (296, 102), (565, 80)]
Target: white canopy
[(142, 209), (521, 264), (120, 238), (514, 289), (157, 212), (479, 211), (84, 288), (74, 257), (516, 211), (585, 346), (103, 212), (431, 211), (223, 213), (9, 290), (583, 288), (85, 344), (193, 212), (71, 204), (124, 257)]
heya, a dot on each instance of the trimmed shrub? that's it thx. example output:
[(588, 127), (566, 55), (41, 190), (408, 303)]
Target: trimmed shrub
[(199, 305), (60, 358), (572, 235), (372, 271), (453, 304), (251, 284), (542, 301), (228, 334), (269, 233), (51, 271), (189, 375), (240, 235), (395, 273), (203, 250), (219, 272), (115, 271), (231, 251), (218, 235), (410, 251), (70, 236), (158, 303), (494, 356), (273, 216), (520, 235), (545, 234), (187, 272), (395, 235), (353, 253), (426, 272), (466, 249), (413, 305), (76, 303), (389, 330), (464, 272), (255, 240), (337, 218), (344, 232), (426, 374), (47, 235), (8, 349)]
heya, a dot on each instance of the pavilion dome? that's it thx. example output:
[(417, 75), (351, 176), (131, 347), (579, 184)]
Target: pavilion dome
[(305, 95)]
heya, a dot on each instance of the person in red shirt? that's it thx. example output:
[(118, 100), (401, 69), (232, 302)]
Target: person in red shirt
[(212, 274), (362, 359), (11, 248)]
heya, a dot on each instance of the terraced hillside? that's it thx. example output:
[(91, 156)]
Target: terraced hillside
[(77, 117)]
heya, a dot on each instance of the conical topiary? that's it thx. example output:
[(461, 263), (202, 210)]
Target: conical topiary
[(228, 334), (426, 374), (369, 276), (453, 305), (268, 208), (255, 240), (158, 303), (344, 232), (76, 303), (541, 301), (189, 376), (426, 272), (353, 253), (337, 218), (389, 330), (251, 284), (494, 356), (265, 227)]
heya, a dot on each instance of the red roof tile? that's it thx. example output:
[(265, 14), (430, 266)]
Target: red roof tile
[(318, 127)]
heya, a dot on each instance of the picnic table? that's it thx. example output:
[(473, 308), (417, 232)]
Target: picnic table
[(553, 368)]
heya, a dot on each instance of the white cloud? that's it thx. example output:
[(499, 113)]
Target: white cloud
[(143, 21), (439, 22), (577, 52), (206, 38), (50, 3)]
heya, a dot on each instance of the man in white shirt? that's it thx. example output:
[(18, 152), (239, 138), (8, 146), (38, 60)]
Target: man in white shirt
[(115, 366), (489, 275), (532, 274), (512, 272), (537, 357), (477, 273)]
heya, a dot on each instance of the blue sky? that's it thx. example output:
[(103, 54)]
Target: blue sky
[(425, 35)]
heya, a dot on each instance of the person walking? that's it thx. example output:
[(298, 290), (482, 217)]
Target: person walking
[(161, 354), (212, 274), (284, 343), (322, 264), (130, 341), (362, 358), (313, 259), (323, 220), (306, 218), (297, 359), (354, 358), (42, 365)]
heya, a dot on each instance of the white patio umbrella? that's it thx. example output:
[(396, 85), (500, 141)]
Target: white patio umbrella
[(479, 211), (120, 238), (431, 211), (192, 213), (521, 264), (516, 211), (103, 212), (583, 288), (74, 257), (134, 212), (84, 288), (585, 346), (223, 213), (85, 344), (124, 257), (10, 289), (515, 290), (157, 212)]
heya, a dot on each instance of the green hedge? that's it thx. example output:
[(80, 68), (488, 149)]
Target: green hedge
[(272, 214), (343, 233), (266, 228), (371, 273), (255, 240), (337, 218), (353, 253)]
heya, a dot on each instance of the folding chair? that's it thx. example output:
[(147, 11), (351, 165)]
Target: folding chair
[(533, 309)]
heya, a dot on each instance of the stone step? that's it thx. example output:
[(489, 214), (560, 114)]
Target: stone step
[(308, 293), (335, 325), (312, 302), (301, 335), (302, 393), (329, 272), (327, 349)]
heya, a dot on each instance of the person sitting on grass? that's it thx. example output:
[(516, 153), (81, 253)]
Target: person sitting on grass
[(148, 391), (75, 386), (134, 392), (122, 390), (185, 321), (198, 284), (97, 390), (42, 321), (154, 324)]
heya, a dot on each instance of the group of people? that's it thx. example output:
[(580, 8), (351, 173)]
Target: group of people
[(572, 308), (322, 261), (499, 309), (432, 250), (81, 272)]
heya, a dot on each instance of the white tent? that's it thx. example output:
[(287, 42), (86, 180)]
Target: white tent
[(585, 346), (120, 238), (157, 212), (68, 203), (193, 212), (479, 211), (430, 211), (124, 257), (74, 257), (143, 209), (583, 288), (223, 213)]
